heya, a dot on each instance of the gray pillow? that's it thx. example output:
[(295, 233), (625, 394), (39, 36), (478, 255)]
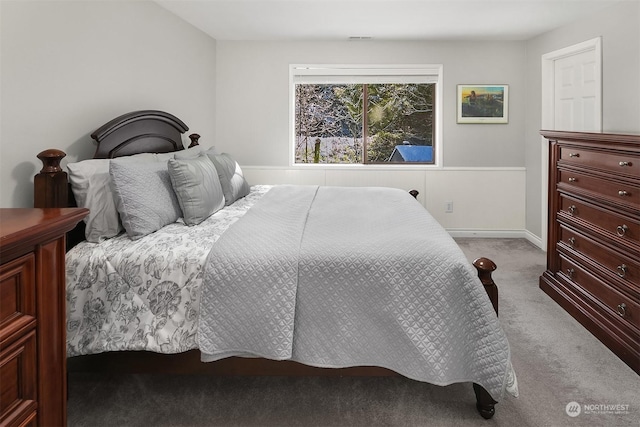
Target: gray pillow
[(196, 184), (144, 196), (234, 186)]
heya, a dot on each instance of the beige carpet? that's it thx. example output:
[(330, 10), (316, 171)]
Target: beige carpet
[(556, 360)]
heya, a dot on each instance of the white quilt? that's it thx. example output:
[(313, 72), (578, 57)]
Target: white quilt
[(336, 277)]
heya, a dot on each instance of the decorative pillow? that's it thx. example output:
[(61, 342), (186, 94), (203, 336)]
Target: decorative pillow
[(234, 186), (90, 183), (164, 157), (197, 186), (144, 196), (188, 153)]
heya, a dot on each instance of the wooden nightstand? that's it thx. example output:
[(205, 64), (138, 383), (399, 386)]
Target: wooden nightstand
[(33, 377)]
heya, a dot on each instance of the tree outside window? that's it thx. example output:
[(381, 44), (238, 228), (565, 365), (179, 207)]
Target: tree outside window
[(331, 127)]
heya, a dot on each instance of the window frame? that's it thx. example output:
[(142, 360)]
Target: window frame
[(348, 73)]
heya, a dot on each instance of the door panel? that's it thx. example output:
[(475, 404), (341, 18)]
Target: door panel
[(575, 85)]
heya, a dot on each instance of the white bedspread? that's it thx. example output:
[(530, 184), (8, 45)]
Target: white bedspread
[(336, 277)]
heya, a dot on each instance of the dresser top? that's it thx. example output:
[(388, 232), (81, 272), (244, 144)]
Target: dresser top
[(619, 138), (20, 225)]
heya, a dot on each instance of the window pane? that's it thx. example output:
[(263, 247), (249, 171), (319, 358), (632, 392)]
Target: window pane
[(400, 123), (328, 123), (329, 126)]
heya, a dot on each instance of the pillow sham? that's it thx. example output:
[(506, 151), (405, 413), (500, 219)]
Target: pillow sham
[(234, 186), (144, 197), (188, 153), (197, 187), (90, 184)]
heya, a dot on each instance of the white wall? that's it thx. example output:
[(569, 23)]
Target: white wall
[(70, 66), (253, 124), (619, 27), (253, 94)]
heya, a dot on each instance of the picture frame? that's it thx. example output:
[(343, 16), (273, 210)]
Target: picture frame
[(480, 103)]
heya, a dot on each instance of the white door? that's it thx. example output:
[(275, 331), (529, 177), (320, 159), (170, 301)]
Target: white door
[(571, 100), (576, 105)]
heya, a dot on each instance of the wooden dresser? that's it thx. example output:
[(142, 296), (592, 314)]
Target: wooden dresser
[(33, 381), (593, 258)]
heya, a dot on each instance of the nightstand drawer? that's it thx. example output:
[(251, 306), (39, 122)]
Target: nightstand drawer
[(17, 296), (18, 381)]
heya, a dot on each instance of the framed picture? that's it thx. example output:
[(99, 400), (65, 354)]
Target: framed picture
[(483, 103)]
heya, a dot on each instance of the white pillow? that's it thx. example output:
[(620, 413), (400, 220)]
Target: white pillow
[(90, 183)]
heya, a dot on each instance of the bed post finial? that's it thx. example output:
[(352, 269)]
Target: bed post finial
[(50, 184), (194, 137), (485, 267)]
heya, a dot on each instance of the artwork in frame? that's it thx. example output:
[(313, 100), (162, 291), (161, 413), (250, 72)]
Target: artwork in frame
[(483, 103)]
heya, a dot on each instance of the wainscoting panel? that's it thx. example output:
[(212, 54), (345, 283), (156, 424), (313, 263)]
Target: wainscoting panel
[(487, 202)]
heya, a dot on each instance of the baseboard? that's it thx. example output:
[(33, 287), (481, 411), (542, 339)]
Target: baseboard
[(499, 234)]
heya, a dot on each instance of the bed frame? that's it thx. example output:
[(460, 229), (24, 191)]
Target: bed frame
[(152, 131)]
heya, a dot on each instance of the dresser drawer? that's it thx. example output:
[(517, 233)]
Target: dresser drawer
[(612, 225), (17, 297), (622, 306), (618, 192), (627, 270), (625, 164), (18, 381)]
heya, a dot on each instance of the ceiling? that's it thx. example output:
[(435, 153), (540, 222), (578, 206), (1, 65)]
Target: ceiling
[(381, 19)]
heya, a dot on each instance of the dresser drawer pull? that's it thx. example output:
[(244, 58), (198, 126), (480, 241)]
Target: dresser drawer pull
[(570, 272), (623, 193), (574, 154), (622, 270), (572, 242), (623, 164), (572, 179), (621, 230), (622, 310), (572, 209)]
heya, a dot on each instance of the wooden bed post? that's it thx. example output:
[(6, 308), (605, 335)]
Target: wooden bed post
[(484, 402), (50, 184), (194, 137)]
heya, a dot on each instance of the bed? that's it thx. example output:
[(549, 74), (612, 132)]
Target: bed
[(268, 280)]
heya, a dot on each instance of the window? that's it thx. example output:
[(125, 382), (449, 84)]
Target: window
[(370, 115)]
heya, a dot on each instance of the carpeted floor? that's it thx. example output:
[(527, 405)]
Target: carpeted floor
[(557, 362)]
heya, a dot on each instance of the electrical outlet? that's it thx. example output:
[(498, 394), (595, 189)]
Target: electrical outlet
[(448, 207)]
